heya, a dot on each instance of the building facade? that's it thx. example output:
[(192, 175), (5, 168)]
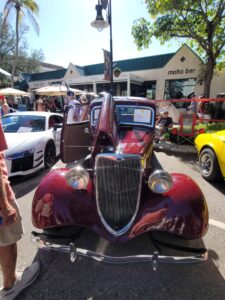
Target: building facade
[(167, 76)]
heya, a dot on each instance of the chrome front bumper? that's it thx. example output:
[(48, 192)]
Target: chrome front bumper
[(154, 258)]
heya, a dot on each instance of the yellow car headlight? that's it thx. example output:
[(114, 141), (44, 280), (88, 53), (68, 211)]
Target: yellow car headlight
[(160, 182), (77, 178)]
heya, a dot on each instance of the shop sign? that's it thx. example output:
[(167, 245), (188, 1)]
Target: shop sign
[(181, 71)]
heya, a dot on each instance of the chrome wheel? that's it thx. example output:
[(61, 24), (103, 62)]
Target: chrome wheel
[(206, 164), (209, 165)]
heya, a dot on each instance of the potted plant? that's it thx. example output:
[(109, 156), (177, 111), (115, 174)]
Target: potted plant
[(117, 72)]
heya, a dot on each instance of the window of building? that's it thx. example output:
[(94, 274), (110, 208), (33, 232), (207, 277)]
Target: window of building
[(146, 89), (150, 87), (179, 89)]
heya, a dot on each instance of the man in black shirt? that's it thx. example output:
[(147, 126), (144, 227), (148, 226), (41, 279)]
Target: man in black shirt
[(165, 121), (162, 124)]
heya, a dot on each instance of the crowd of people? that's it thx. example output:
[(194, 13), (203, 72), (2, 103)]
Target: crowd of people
[(78, 109), (51, 104), (79, 106), (79, 103)]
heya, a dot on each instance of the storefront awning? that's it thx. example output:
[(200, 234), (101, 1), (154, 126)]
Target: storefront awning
[(99, 79)]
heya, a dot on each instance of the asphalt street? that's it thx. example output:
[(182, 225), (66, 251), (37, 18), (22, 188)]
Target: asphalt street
[(87, 279)]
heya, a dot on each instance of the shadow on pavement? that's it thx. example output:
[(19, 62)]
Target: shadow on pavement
[(189, 159), (220, 186), (87, 279), (192, 161), (22, 185)]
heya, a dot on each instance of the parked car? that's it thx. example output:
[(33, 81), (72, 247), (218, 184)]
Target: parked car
[(211, 152), (33, 140), (116, 189)]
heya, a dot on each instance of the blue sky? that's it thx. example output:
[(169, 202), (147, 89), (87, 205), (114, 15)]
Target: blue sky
[(67, 36)]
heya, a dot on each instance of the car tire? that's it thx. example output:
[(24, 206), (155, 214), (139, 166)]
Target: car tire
[(209, 166), (50, 155)]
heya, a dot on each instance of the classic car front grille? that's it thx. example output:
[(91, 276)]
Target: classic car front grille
[(118, 184)]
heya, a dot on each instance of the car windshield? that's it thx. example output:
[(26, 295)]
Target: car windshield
[(135, 115), (23, 123)]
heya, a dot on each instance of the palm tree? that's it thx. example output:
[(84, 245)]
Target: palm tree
[(21, 7)]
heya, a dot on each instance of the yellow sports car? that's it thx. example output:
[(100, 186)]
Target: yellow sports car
[(211, 153)]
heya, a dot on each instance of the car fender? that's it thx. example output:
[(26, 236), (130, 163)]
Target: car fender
[(214, 142), (56, 203), (40, 146), (182, 210), (44, 141)]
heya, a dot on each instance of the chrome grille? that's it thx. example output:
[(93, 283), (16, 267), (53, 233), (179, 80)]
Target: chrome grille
[(118, 184)]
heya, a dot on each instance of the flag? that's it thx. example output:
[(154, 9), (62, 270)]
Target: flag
[(107, 65)]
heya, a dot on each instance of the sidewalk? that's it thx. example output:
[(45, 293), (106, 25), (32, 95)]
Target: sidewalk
[(175, 148)]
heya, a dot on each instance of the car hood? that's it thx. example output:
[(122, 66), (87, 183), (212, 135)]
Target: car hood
[(18, 142), (209, 138), (220, 134)]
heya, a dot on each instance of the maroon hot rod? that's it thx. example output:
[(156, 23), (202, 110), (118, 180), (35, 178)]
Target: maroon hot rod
[(115, 188)]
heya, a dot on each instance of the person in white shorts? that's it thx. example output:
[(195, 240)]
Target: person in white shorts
[(11, 232)]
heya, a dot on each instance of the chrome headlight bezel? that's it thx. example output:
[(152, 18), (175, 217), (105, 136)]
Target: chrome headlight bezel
[(77, 178), (160, 182)]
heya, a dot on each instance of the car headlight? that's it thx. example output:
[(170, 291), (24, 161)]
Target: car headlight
[(21, 154), (160, 182), (77, 178)]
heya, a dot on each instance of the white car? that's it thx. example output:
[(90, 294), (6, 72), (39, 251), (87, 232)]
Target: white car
[(33, 140)]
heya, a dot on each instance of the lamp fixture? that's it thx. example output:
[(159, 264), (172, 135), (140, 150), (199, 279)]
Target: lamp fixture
[(99, 23)]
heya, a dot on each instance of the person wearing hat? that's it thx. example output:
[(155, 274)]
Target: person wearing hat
[(71, 98)]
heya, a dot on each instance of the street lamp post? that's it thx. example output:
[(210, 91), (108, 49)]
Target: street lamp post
[(99, 23)]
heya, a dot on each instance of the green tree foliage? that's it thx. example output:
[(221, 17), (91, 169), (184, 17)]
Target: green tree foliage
[(26, 62), (29, 63), (7, 45), (200, 23), (22, 8)]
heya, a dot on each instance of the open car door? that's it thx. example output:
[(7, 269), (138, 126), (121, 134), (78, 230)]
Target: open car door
[(75, 138)]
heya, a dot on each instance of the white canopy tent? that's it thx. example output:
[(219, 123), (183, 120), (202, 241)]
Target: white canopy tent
[(56, 90), (13, 92)]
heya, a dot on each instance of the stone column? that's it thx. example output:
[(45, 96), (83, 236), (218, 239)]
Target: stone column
[(94, 87), (128, 84)]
